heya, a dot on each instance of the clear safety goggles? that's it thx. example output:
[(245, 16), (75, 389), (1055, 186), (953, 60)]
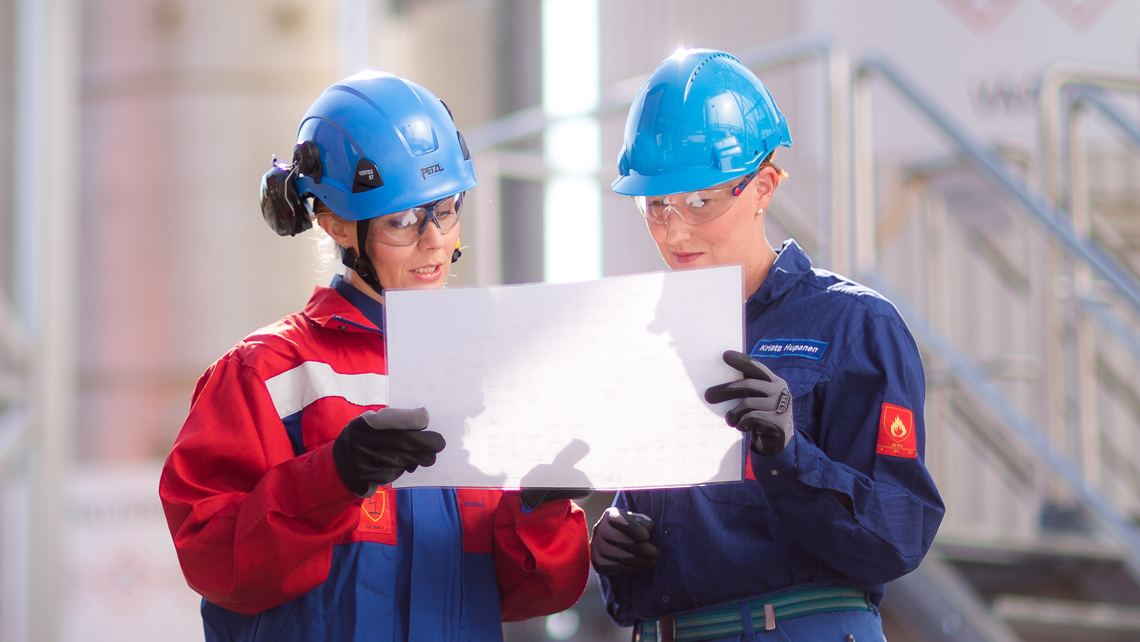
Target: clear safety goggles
[(406, 227), (694, 208)]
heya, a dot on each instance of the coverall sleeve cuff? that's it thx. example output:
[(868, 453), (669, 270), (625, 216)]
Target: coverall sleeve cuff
[(777, 471), (327, 482)]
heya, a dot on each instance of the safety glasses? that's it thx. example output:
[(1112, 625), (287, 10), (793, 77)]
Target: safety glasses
[(406, 227), (694, 208)]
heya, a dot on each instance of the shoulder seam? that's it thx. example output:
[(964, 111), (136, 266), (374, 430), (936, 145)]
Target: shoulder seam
[(894, 315)]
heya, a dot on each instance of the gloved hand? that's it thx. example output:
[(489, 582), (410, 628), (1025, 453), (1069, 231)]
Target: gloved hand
[(377, 447), (765, 408), (620, 543), (532, 498)]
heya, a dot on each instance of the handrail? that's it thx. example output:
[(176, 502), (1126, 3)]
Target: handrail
[(1018, 425), (533, 121), (1080, 208), (1093, 97), (1054, 220), (1109, 320), (1053, 82), (1079, 203)]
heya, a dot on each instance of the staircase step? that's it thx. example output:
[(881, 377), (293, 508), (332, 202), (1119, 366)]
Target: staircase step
[(1070, 567), (1015, 552), (1043, 620)]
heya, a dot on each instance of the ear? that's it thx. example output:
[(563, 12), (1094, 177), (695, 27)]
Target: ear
[(341, 231), (765, 186)]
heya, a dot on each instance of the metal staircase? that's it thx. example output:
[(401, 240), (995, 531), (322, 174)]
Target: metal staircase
[(1045, 410)]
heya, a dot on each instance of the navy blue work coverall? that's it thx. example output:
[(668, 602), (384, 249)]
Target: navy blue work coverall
[(845, 352)]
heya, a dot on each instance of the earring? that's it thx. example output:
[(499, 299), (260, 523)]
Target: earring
[(760, 211)]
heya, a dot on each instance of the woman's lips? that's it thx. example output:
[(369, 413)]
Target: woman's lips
[(428, 273), (687, 257)]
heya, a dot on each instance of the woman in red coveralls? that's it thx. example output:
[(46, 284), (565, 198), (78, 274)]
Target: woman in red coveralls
[(277, 489)]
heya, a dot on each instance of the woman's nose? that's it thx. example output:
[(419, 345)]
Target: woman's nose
[(676, 230), (432, 238)]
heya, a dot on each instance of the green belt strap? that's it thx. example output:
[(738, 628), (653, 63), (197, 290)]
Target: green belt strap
[(725, 620)]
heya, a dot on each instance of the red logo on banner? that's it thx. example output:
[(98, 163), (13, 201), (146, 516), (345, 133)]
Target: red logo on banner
[(1079, 14), (981, 16), (896, 432)]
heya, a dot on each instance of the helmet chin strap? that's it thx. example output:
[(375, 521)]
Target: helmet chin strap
[(362, 265)]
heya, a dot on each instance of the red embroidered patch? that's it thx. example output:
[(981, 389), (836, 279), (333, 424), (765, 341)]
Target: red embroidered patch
[(376, 513), (896, 432)]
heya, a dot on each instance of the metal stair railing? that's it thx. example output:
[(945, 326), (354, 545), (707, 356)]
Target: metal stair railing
[(1077, 87), (1053, 220), (1057, 226), (1054, 81), (1095, 98), (1069, 232), (1079, 196)]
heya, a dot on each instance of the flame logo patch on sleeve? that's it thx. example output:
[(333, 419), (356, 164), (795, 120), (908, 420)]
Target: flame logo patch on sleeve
[(374, 514), (896, 432)]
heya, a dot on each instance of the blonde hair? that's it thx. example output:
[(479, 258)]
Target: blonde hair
[(325, 249), (781, 175)]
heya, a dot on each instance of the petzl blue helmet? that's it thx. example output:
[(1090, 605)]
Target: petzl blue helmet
[(372, 144), (385, 144), (701, 119)]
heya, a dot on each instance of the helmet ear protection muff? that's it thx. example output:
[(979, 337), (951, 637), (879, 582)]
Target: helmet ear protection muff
[(281, 206)]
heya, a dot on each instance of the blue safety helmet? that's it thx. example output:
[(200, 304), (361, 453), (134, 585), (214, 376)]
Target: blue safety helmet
[(385, 144), (372, 144), (701, 119)]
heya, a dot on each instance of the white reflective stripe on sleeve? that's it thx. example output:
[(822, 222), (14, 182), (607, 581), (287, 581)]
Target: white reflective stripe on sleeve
[(294, 389)]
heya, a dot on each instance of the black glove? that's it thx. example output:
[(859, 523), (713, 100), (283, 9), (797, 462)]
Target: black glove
[(532, 498), (620, 543), (378, 446), (765, 408)]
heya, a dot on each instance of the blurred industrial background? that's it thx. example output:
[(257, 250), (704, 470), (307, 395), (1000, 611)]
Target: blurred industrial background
[(976, 160)]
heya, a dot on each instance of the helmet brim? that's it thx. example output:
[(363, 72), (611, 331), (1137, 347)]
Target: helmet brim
[(674, 182)]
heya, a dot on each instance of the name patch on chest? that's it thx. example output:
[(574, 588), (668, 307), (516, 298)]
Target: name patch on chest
[(772, 348)]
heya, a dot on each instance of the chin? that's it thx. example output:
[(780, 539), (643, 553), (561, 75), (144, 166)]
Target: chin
[(699, 263)]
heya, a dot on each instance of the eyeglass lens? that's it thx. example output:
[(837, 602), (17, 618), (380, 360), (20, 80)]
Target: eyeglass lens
[(406, 227), (694, 208)]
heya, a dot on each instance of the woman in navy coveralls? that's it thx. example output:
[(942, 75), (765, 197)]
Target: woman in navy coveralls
[(837, 500)]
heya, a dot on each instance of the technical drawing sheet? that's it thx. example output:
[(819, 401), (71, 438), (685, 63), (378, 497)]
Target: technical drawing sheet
[(597, 384)]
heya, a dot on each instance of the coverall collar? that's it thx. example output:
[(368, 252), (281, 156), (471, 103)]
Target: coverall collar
[(791, 266), (327, 307)]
